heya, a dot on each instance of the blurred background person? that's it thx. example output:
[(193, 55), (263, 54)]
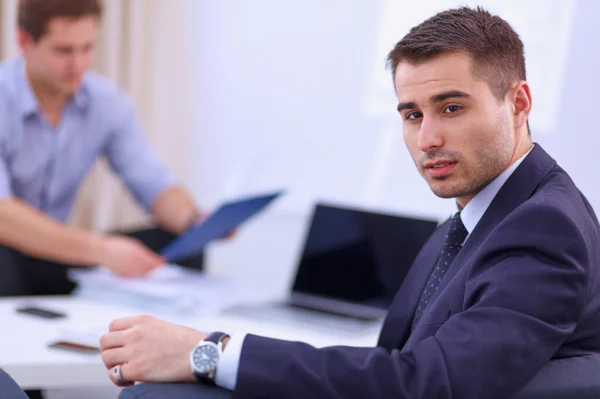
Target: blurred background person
[(56, 119)]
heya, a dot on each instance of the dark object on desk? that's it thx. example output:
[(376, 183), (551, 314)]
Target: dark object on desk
[(41, 312), (223, 221), (351, 266), (22, 275), (359, 256), (174, 391), (158, 239), (35, 394), (9, 388), (571, 378)]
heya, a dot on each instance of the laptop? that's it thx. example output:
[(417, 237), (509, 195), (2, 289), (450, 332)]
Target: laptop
[(349, 270)]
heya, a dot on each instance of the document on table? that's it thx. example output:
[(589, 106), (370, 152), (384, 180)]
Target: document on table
[(168, 290)]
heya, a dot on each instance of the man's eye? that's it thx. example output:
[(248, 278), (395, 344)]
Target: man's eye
[(452, 108), (413, 116)]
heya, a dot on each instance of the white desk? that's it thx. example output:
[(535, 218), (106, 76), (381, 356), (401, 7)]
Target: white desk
[(23, 348), (25, 356)]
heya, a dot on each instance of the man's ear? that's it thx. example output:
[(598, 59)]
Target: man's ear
[(24, 40), (520, 97)]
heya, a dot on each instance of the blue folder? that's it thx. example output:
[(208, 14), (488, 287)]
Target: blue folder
[(220, 223)]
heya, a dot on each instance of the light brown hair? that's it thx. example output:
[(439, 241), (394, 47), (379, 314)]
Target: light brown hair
[(34, 16)]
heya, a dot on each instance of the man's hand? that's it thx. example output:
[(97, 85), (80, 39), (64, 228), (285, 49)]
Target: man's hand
[(128, 257), (149, 350)]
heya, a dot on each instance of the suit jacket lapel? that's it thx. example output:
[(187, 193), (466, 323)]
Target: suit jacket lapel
[(399, 316), (517, 189)]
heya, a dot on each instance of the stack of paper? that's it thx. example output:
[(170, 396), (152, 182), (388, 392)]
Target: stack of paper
[(173, 290), (169, 291)]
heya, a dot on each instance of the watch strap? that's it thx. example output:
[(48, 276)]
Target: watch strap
[(216, 337)]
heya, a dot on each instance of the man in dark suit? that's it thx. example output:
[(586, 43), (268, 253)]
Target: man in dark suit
[(508, 283)]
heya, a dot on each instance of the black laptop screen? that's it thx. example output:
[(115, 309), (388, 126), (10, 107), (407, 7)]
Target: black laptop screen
[(358, 256)]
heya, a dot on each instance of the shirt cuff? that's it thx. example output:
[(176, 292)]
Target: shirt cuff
[(227, 370)]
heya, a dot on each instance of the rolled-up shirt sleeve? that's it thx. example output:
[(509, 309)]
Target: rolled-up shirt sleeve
[(132, 158)]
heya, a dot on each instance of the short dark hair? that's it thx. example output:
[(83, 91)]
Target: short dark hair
[(34, 15), (495, 48)]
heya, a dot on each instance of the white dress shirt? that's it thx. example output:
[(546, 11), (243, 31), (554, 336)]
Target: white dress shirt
[(226, 375)]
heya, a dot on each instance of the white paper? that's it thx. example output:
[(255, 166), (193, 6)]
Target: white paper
[(170, 290)]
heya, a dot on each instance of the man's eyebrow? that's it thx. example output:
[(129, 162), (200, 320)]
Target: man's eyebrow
[(403, 106), (438, 98)]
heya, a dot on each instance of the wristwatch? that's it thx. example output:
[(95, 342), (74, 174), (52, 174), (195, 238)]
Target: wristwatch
[(205, 357)]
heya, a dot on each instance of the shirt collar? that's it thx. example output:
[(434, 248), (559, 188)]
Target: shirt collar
[(81, 97), (28, 103), (474, 210)]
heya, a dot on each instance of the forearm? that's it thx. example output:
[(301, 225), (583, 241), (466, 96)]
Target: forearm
[(303, 371), (25, 229), (489, 347), (174, 209)]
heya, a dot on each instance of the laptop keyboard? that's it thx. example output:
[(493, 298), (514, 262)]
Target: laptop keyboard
[(297, 315)]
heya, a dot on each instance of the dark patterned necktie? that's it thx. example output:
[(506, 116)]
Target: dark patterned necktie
[(455, 236)]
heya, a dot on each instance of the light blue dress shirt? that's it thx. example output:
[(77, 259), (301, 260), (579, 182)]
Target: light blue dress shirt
[(475, 209), (229, 364), (44, 166)]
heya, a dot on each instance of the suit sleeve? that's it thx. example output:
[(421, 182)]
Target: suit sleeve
[(523, 299)]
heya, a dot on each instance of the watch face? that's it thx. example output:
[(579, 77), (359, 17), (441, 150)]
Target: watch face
[(206, 357)]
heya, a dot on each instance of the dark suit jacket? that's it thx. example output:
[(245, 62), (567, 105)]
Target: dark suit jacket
[(9, 388), (523, 289)]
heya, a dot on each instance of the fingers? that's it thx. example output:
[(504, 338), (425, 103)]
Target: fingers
[(149, 259), (123, 323), (113, 375), (140, 258), (126, 323), (113, 357), (154, 265), (142, 265), (153, 258), (147, 267), (231, 234), (148, 349), (130, 258), (113, 339)]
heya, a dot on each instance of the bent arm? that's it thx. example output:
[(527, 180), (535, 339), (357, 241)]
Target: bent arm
[(519, 310), (28, 230), (141, 169)]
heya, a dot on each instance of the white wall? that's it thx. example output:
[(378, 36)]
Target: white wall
[(280, 98), (289, 94), (576, 140)]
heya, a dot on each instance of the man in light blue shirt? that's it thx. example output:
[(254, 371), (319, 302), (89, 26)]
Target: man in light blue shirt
[(56, 119)]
